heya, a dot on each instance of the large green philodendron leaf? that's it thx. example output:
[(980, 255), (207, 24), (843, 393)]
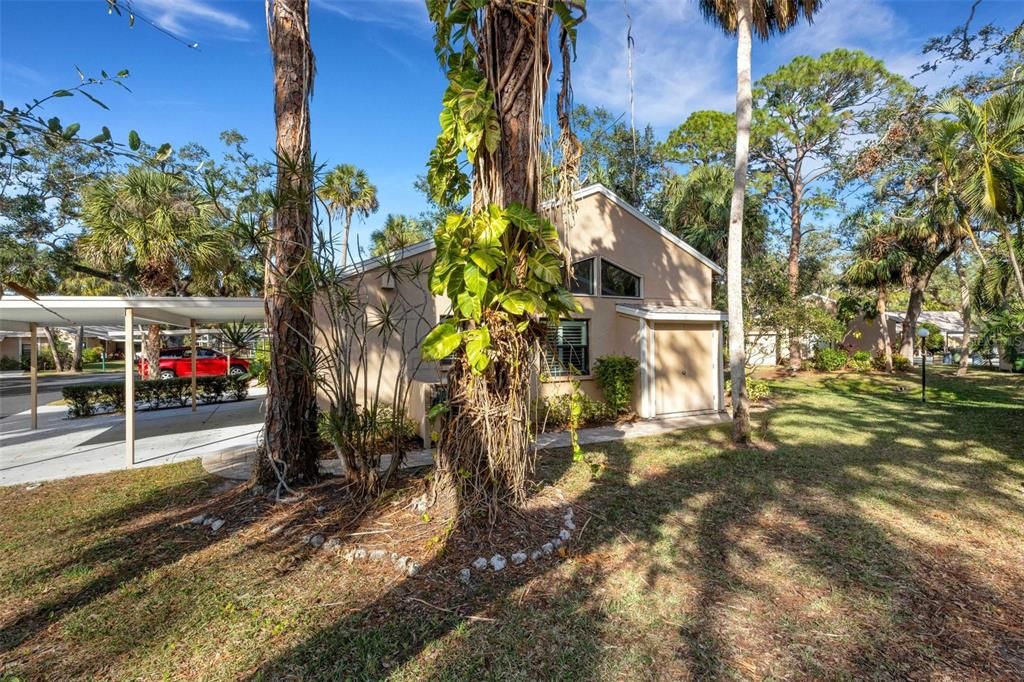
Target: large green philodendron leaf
[(441, 341)]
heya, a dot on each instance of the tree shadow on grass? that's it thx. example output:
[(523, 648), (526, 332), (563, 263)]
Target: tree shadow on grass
[(803, 502)]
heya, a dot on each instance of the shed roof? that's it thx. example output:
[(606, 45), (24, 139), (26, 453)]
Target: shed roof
[(672, 313)]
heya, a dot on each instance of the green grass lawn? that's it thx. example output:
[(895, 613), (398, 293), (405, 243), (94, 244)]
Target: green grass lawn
[(866, 536), (111, 366)]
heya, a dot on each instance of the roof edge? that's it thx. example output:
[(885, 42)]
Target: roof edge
[(644, 313)]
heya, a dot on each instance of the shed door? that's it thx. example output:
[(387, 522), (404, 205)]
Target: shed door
[(684, 367)]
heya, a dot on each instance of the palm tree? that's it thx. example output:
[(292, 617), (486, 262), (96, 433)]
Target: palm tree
[(744, 18), (347, 191), (879, 262), (399, 231), (993, 182), (290, 450), (698, 212), (153, 228)]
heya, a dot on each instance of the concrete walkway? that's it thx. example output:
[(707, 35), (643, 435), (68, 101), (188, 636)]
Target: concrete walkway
[(237, 463), (63, 447)]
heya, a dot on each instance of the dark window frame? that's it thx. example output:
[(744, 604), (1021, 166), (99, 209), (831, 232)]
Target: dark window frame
[(592, 280), (639, 280)]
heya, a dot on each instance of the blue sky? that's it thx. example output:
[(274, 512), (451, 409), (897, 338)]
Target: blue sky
[(378, 84)]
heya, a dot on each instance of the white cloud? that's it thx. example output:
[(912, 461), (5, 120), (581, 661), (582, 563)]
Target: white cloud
[(862, 24), (182, 16), (409, 15), (680, 63)]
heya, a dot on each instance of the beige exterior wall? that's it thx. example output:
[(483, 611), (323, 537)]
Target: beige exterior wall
[(10, 347), (669, 275)]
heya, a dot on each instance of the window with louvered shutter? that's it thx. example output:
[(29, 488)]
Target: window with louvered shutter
[(568, 348)]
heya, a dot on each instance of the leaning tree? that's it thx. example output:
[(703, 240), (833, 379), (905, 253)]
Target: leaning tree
[(499, 262)]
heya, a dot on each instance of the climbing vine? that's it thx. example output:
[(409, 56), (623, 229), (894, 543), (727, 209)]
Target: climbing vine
[(500, 262)]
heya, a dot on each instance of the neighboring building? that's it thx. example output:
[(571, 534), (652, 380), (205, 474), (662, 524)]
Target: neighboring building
[(645, 293), (767, 347), (866, 334), (15, 345)]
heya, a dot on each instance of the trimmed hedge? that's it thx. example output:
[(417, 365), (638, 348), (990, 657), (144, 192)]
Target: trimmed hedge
[(87, 399)]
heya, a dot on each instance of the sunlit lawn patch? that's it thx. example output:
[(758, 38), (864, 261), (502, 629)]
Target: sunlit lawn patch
[(865, 536)]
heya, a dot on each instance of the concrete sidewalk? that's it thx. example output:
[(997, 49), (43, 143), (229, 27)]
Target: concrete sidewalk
[(236, 463), (63, 447)]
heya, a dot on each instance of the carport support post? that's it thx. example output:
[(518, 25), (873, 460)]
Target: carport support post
[(33, 369), (129, 387), (192, 326)]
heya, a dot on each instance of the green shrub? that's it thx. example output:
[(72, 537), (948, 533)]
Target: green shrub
[(757, 390), (830, 360), (899, 363), (260, 364), (861, 361), (616, 375), (552, 412), (86, 399), (9, 363), (92, 355)]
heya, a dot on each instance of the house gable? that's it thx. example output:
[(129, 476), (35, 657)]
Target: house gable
[(607, 228)]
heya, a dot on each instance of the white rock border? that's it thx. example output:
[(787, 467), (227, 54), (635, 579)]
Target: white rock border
[(520, 557)]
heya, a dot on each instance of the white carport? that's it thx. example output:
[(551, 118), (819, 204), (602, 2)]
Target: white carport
[(20, 314)]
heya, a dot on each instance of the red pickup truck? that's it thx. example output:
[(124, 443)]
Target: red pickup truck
[(177, 362)]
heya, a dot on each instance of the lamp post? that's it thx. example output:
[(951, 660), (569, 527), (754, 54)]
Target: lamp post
[(923, 333)]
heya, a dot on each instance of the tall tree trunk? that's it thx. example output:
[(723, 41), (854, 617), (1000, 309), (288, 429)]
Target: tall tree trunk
[(793, 267), (881, 308), (914, 306), (154, 342), (344, 240), (483, 458), (965, 313), (290, 449), (51, 341), (76, 352), (1011, 252), (734, 257)]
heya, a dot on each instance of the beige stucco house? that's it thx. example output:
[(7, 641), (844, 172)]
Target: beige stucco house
[(645, 293)]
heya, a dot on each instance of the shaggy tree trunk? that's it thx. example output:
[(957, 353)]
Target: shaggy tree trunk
[(883, 326), (793, 269), (76, 352), (51, 341), (154, 342), (485, 453), (965, 313), (734, 258), (290, 450)]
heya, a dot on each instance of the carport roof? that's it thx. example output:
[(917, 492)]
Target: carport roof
[(16, 312)]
